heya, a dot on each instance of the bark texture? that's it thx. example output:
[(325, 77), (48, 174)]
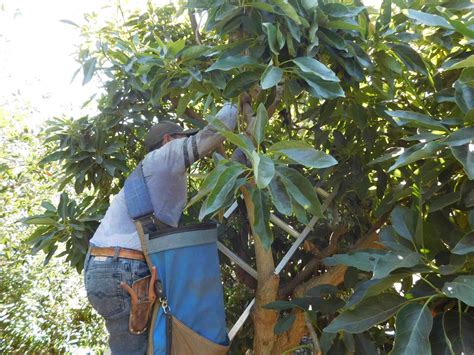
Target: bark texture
[(267, 289)]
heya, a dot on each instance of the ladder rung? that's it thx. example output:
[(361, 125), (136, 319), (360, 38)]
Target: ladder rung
[(286, 227), (236, 259)]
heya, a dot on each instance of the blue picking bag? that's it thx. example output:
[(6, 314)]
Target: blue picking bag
[(188, 268), (191, 320)]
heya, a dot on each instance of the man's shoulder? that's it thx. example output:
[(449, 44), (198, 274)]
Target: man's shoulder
[(170, 154)]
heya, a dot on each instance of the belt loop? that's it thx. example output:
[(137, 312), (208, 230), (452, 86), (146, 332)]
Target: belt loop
[(116, 253)]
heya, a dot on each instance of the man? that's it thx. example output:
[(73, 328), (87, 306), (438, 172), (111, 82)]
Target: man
[(115, 255)]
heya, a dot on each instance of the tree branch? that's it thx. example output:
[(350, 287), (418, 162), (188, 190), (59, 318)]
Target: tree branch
[(194, 26), (334, 276)]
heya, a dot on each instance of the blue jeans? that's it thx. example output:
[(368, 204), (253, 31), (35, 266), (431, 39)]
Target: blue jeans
[(102, 281)]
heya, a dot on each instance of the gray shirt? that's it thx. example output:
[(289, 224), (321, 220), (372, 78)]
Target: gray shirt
[(165, 173)]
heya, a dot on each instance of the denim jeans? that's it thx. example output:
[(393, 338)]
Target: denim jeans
[(102, 281)]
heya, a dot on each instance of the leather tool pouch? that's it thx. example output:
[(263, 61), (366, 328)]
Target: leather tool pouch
[(141, 305)]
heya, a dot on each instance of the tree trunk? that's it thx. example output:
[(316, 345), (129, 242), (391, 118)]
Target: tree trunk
[(267, 289)]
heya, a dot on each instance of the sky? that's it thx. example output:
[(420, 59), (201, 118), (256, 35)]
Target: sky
[(37, 55), (37, 59)]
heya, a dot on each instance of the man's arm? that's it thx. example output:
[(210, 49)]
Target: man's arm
[(208, 139)]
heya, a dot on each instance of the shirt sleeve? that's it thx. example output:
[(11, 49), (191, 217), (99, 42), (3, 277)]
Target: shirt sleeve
[(179, 154)]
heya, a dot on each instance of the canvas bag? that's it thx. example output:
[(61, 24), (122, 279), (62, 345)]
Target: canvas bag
[(190, 318)]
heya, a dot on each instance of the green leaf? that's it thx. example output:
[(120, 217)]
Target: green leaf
[(58, 155), (48, 221), (416, 152), (443, 201), (462, 288), (62, 206), (322, 291), (371, 288), (345, 25), (89, 70), (193, 52), (304, 154), (456, 263), (465, 245), (280, 305), (208, 184), (368, 313), (223, 187), (240, 83), (284, 324), (428, 19), (232, 62), (389, 62), (458, 328), (261, 225), (311, 65), (465, 155), (404, 222), (240, 140), (321, 88), (415, 119), (300, 189), (464, 95), (309, 4), (460, 137), (465, 63), (393, 260), (271, 32), (280, 198), (340, 10), (364, 260), (271, 77), (48, 206), (263, 168), (260, 122), (410, 58), (364, 345), (262, 6), (288, 9), (176, 46), (412, 330)]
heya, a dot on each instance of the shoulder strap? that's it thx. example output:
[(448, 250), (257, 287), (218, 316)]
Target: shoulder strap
[(137, 195)]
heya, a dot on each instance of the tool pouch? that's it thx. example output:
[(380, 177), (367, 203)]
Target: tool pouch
[(141, 305)]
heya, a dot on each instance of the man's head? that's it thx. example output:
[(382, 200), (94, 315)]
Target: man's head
[(164, 132)]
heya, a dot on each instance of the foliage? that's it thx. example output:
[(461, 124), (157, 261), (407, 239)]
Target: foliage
[(42, 306), (375, 106)]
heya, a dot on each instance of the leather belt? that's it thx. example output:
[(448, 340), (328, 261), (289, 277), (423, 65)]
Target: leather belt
[(123, 253)]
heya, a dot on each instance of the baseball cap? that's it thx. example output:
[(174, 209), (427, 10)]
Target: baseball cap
[(156, 133)]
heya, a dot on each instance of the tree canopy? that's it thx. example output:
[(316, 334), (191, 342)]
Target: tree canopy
[(370, 110)]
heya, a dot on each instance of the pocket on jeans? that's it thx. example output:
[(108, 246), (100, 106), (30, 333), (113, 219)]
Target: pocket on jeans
[(104, 292)]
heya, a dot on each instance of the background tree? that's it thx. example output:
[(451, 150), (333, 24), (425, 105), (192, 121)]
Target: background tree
[(43, 307), (373, 109)]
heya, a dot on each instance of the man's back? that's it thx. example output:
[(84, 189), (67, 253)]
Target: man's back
[(165, 173)]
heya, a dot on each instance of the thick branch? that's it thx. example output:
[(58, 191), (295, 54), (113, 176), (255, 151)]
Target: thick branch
[(334, 276), (314, 263), (267, 288), (194, 26)]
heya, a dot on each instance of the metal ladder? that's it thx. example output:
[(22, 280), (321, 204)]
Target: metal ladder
[(300, 237)]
